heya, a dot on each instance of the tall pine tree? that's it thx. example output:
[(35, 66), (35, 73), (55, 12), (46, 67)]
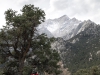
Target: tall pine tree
[(20, 43)]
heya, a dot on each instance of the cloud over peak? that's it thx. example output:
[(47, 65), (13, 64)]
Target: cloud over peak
[(81, 9)]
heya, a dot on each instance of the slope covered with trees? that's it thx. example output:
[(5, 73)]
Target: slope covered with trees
[(83, 50)]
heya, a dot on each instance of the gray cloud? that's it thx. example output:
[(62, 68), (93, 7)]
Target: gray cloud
[(60, 4), (18, 4), (38, 3), (81, 9)]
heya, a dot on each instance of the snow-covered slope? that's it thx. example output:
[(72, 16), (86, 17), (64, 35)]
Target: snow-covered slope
[(63, 27), (60, 27)]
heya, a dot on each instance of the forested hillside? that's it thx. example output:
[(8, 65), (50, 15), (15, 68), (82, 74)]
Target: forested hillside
[(83, 50)]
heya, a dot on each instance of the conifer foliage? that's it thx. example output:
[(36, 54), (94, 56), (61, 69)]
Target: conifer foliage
[(20, 44)]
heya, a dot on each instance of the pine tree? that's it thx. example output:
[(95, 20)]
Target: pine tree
[(20, 42)]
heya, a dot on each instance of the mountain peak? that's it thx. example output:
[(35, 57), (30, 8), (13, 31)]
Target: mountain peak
[(64, 27), (88, 21), (64, 17), (74, 19), (61, 27)]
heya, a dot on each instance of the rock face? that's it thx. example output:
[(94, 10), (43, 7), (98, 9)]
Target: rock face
[(64, 70), (60, 27)]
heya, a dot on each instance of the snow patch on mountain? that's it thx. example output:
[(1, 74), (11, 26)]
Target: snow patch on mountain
[(60, 27)]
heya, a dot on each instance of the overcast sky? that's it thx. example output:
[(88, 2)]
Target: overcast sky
[(80, 9)]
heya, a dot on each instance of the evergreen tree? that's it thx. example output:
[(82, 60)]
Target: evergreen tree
[(20, 43)]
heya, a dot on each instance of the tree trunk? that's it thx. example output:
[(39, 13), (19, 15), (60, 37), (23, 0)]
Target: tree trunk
[(20, 67)]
